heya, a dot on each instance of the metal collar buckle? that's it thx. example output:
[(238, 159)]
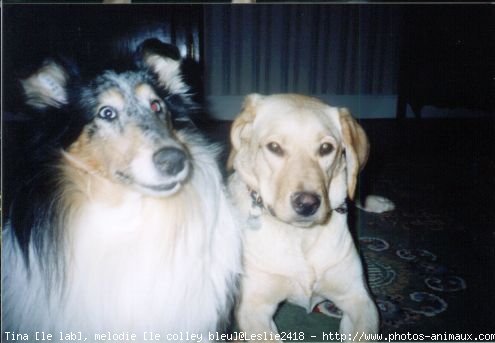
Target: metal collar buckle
[(256, 199), (342, 209)]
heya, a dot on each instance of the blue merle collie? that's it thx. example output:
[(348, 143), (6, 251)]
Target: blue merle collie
[(124, 226)]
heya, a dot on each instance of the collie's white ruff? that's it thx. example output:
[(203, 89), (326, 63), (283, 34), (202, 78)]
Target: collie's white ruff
[(133, 263)]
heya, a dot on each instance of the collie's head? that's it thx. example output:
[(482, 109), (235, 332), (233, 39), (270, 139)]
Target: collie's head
[(119, 125)]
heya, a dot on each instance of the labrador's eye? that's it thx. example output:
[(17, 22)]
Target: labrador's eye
[(156, 106), (275, 148), (325, 149), (107, 113)]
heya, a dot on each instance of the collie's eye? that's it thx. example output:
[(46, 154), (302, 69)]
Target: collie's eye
[(325, 149), (275, 148), (156, 106), (107, 113)]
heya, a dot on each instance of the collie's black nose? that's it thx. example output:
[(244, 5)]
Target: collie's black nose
[(170, 161), (304, 203)]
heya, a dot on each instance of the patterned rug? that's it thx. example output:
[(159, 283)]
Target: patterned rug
[(408, 284), (411, 254)]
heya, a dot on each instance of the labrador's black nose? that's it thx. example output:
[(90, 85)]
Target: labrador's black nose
[(305, 203), (170, 161)]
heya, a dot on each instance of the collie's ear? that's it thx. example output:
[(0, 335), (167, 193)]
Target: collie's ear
[(241, 137), (47, 87), (356, 147), (164, 60)]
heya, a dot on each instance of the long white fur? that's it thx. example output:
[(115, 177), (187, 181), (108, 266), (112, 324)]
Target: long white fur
[(141, 264)]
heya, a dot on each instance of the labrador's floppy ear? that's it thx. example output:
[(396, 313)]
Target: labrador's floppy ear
[(165, 61), (47, 86), (240, 137), (356, 147)]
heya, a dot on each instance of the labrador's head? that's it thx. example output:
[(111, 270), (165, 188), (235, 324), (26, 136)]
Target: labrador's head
[(301, 155)]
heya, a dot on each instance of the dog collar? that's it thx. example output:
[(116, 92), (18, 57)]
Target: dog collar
[(257, 202), (342, 209)]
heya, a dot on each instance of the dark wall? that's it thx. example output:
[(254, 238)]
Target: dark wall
[(446, 50), (447, 57), (89, 34)]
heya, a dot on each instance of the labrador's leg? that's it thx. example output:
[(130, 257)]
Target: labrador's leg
[(360, 315), (261, 294), (345, 285)]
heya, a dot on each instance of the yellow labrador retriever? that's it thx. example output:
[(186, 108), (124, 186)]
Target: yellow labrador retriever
[(295, 161)]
